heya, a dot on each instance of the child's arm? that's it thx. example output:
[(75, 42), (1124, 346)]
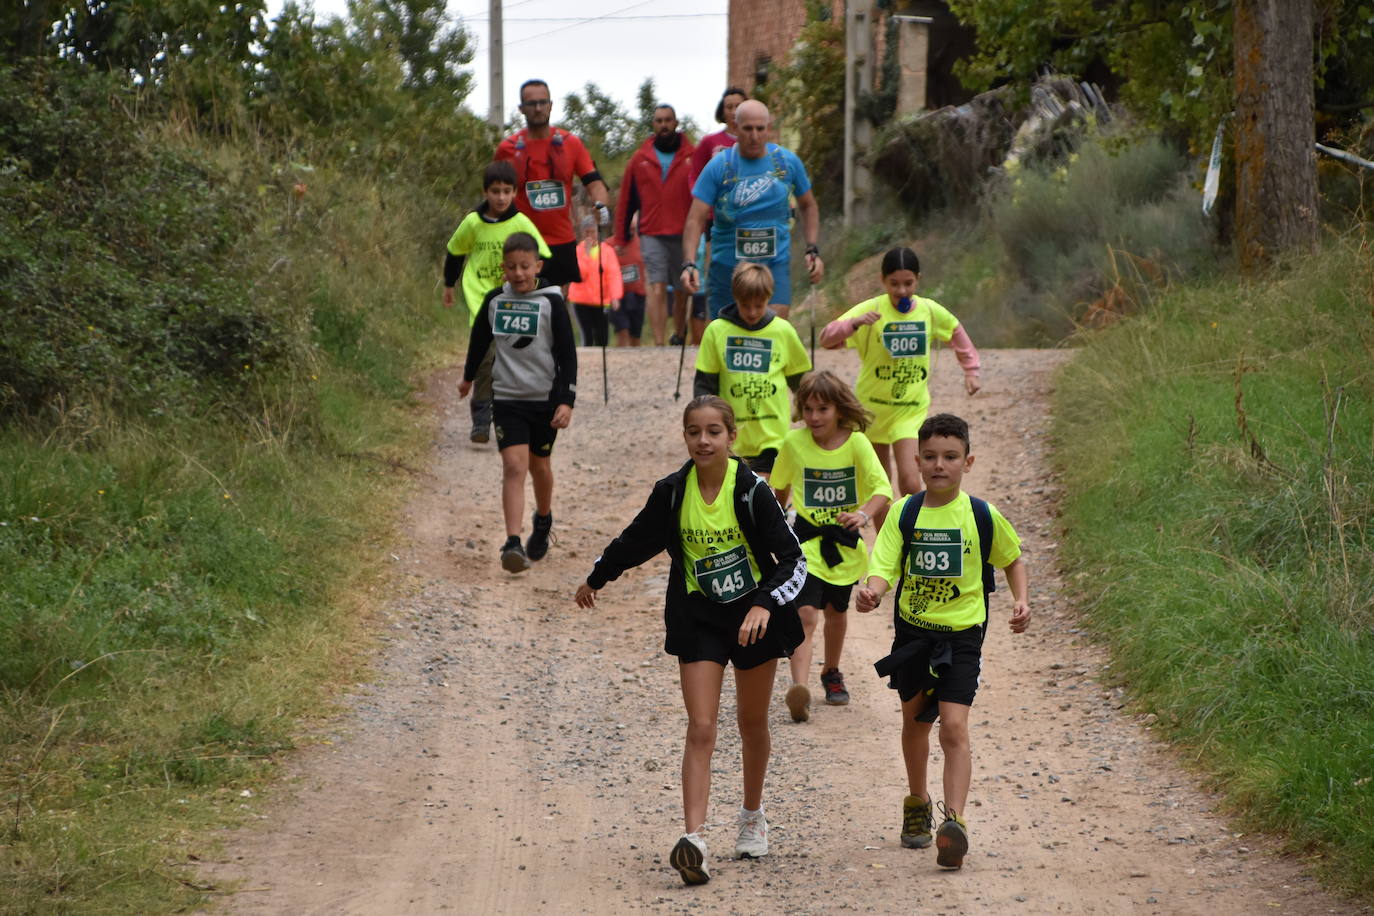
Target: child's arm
[(478, 344), (705, 383), (1018, 581), (967, 354), (453, 269), (565, 358), (841, 329), (864, 514), (885, 563), (785, 582), (872, 592), (642, 539)]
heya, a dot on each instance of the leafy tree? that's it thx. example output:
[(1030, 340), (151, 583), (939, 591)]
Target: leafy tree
[(600, 121), (647, 99)]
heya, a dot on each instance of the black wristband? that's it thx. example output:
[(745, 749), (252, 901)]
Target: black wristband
[(689, 265), (812, 249)]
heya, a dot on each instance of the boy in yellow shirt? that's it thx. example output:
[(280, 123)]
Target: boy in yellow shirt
[(940, 546)]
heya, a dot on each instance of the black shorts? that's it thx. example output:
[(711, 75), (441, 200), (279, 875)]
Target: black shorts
[(699, 306), (816, 592), (561, 269), (945, 665), (709, 632), (524, 423), (762, 463), (630, 315)]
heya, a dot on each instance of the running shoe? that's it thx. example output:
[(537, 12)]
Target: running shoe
[(951, 840), (513, 557), (689, 858), (917, 820), (753, 835), (675, 340), (480, 433), (799, 702), (835, 692), (538, 544)]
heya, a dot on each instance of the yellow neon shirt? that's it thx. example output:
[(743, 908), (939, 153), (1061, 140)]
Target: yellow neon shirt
[(753, 367), (824, 484), (715, 556), (942, 586)]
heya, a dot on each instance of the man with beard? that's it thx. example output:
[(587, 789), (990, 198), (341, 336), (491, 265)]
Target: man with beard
[(546, 161), (656, 186)]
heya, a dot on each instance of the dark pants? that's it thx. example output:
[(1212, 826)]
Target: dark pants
[(592, 319)]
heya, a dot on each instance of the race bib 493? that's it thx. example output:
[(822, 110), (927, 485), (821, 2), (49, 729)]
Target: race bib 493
[(936, 553)]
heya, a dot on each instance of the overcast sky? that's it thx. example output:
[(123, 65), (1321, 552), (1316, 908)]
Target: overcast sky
[(613, 43)]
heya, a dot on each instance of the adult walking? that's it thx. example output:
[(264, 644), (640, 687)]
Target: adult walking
[(749, 185), (657, 187), (721, 140), (546, 161)]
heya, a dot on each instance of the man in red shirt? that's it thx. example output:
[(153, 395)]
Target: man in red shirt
[(546, 161), (657, 187)]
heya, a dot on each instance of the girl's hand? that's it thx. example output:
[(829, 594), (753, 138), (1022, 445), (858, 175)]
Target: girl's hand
[(866, 318), (448, 297), (754, 626), (586, 596), (464, 388), (852, 520), (866, 600), (562, 417), (971, 384), (1020, 617)]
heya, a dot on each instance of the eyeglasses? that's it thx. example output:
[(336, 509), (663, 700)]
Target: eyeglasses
[(537, 103)]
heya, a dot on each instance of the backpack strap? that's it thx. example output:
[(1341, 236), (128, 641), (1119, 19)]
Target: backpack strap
[(906, 524)]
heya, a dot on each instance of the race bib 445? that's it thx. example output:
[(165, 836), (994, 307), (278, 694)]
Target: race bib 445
[(723, 577)]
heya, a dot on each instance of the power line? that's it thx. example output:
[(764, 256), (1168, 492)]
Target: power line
[(582, 22)]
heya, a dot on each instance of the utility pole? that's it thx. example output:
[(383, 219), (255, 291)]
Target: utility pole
[(858, 132), (496, 53)]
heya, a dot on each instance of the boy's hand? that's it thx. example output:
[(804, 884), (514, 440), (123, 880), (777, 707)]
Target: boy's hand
[(754, 626), (562, 416), (1020, 617), (971, 383), (586, 596), (866, 318), (448, 297), (464, 388), (866, 600)]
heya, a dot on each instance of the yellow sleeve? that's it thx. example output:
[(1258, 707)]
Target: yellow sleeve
[(1006, 544), (942, 321), (785, 466), (873, 480), (886, 560), (463, 237), (527, 225), (711, 353)]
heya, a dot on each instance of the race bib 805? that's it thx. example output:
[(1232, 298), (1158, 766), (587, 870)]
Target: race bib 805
[(748, 354)]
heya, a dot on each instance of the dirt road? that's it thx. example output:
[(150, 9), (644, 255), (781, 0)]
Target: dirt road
[(518, 755)]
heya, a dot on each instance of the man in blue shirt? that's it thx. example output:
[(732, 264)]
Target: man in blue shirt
[(749, 187)]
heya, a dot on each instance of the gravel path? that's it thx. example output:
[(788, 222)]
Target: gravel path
[(518, 755)]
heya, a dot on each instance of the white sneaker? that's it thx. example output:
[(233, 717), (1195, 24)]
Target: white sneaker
[(753, 835), (689, 858)]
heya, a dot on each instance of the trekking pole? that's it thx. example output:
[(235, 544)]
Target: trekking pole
[(681, 357), (812, 296), (601, 302)]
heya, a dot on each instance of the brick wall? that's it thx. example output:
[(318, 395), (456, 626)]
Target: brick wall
[(764, 29)]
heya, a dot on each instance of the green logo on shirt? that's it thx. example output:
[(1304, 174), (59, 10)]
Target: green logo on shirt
[(723, 577), (936, 553), (829, 488)]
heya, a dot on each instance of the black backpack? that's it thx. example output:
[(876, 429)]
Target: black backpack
[(982, 519)]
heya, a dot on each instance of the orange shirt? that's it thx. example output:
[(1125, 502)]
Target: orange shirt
[(588, 291)]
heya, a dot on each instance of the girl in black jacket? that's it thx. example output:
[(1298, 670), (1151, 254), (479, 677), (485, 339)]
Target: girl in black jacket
[(736, 571)]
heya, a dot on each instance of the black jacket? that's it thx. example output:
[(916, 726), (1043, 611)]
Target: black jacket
[(655, 529)]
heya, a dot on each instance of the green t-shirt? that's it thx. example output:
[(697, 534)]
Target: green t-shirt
[(481, 243), (753, 367), (942, 586), (895, 352), (715, 556), (825, 483)]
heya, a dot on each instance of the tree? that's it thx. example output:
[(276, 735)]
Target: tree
[(600, 121), (1276, 177)]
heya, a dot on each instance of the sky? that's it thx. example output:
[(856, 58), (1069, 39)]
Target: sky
[(613, 43)]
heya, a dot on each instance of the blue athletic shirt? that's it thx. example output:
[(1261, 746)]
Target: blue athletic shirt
[(751, 201)]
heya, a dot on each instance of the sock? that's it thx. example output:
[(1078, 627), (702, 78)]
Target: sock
[(512, 541)]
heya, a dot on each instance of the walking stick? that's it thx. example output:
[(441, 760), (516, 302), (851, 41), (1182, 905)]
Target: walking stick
[(681, 356), (601, 301)]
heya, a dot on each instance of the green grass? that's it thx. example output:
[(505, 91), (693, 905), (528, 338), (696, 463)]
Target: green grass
[(1217, 455)]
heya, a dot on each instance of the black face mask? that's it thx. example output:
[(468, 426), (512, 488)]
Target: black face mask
[(667, 144)]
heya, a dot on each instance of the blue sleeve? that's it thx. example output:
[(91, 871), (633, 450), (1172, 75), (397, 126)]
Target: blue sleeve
[(708, 182), (801, 183)]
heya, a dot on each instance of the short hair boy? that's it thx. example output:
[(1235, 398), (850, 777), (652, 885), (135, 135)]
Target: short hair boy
[(940, 546), (534, 385), (474, 253)]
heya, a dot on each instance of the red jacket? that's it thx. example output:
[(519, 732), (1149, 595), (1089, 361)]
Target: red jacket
[(662, 205)]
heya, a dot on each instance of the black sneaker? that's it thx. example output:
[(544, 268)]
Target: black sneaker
[(513, 557), (835, 692), (951, 840), (538, 544), (675, 340), (480, 433)]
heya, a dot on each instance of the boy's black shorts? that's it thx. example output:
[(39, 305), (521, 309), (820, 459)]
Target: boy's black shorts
[(762, 463), (946, 665), (561, 269), (816, 592), (709, 632), (524, 423)]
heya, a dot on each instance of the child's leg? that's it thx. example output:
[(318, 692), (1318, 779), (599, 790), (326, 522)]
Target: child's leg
[(908, 470), (515, 464), (916, 746), (836, 625), (884, 453), (954, 740), (701, 683), (800, 663), (541, 473), (753, 690)]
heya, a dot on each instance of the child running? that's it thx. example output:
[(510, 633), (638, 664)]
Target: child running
[(534, 383), (601, 286), (751, 357), (736, 570), (892, 332), (837, 485), (475, 253), (939, 547)]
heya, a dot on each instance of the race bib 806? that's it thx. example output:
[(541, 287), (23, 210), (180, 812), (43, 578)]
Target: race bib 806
[(905, 338)]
